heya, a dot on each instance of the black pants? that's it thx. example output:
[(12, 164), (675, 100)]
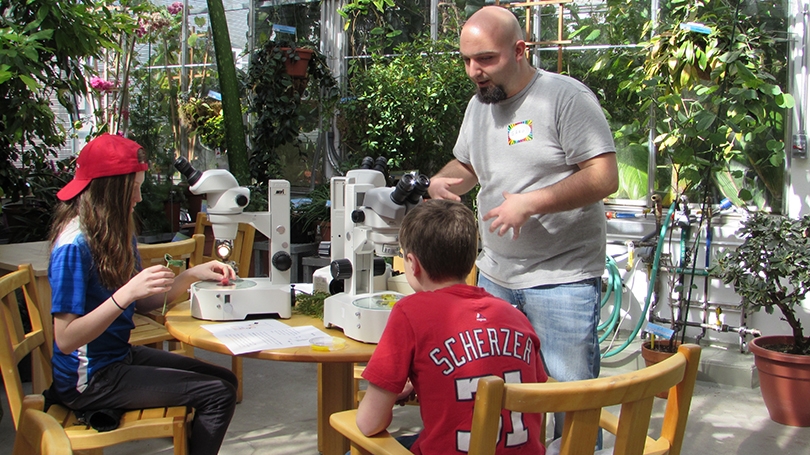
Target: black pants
[(151, 378)]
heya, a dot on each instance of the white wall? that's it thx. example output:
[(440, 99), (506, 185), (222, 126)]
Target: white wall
[(797, 193)]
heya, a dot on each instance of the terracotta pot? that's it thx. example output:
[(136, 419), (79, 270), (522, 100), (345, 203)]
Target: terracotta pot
[(652, 356), (298, 68), (784, 380)]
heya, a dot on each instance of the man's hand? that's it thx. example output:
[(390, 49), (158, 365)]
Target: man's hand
[(441, 188), (511, 214)]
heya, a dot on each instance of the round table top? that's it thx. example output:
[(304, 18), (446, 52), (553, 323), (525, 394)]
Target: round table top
[(188, 329)]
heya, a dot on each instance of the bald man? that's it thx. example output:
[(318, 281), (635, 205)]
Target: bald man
[(541, 149)]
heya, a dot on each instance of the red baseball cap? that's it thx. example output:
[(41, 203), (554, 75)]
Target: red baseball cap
[(104, 156)]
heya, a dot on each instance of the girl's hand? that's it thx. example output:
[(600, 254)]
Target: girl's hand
[(213, 271), (153, 280)]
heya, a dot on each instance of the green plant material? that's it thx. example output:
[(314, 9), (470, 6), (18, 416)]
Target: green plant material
[(275, 99), (231, 104), (407, 108), (715, 101), (43, 47), (170, 263), (771, 269), (378, 27), (310, 304), (317, 210)]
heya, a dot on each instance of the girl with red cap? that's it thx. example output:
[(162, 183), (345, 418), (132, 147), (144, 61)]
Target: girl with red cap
[(97, 284)]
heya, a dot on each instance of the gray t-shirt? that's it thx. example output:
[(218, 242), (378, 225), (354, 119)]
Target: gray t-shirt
[(530, 141)]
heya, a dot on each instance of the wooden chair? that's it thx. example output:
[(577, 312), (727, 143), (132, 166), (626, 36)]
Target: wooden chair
[(240, 256), (16, 344), (39, 433), (583, 403)]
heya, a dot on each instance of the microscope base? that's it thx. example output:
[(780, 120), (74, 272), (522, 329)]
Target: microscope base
[(257, 296), (362, 317)]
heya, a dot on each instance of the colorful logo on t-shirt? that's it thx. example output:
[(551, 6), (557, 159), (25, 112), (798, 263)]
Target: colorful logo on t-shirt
[(519, 132)]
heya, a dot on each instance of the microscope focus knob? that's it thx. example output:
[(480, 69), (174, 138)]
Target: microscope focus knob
[(242, 200), (282, 261), (358, 216), (379, 266), (341, 269)]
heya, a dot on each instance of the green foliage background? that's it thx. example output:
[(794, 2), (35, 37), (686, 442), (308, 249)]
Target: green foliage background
[(408, 107)]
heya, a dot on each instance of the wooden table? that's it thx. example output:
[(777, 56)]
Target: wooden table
[(335, 368), (38, 254)]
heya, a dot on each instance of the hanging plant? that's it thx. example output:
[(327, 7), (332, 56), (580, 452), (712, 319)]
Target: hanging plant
[(204, 118), (275, 98)]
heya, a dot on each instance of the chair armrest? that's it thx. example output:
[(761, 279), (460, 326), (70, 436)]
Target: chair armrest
[(380, 444), (33, 402)]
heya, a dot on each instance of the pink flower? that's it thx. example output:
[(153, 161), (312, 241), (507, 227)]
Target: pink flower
[(101, 85), (141, 31), (175, 8)]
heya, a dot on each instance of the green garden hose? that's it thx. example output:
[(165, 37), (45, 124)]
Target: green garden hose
[(650, 285)]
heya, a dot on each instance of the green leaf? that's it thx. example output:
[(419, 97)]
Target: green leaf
[(30, 82)]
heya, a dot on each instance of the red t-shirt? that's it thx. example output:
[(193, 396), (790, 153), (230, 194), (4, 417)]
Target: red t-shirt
[(444, 341)]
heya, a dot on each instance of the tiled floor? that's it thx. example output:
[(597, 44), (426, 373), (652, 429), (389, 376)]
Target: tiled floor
[(277, 415)]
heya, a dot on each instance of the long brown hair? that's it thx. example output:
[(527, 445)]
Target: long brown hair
[(105, 218)]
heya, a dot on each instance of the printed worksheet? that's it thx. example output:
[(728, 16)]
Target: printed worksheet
[(250, 336)]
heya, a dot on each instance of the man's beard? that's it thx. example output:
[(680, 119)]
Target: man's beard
[(491, 94)]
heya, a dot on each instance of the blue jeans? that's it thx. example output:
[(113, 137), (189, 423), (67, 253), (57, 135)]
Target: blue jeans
[(565, 317)]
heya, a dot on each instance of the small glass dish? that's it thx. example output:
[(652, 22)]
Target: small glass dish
[(327, 343)]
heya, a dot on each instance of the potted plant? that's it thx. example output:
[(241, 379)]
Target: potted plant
[(275, 100), (771, 270)]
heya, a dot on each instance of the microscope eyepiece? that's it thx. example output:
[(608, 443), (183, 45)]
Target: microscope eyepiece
[(367, 163), (185, 168), (403, 189), (381, 164), (420, 187)]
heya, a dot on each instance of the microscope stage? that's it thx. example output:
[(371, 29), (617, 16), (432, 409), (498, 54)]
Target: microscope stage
[(213, 301), (362, 317)]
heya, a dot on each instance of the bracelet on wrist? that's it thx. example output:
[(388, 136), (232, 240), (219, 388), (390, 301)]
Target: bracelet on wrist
[(116, 303)]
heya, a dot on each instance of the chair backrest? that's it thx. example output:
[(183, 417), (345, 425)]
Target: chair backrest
[(189, 250), (16, 343), (242, 245), (40, 434), (582, 402)]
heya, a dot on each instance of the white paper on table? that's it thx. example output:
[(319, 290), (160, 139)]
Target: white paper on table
[(250, 336)]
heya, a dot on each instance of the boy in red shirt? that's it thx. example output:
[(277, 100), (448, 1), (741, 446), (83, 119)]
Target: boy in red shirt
[(439, 341)]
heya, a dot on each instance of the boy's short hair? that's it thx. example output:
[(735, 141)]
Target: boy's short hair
[(443, 235)]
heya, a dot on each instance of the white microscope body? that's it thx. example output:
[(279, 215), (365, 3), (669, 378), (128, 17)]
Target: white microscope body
[(226, 202), (366, 217)]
